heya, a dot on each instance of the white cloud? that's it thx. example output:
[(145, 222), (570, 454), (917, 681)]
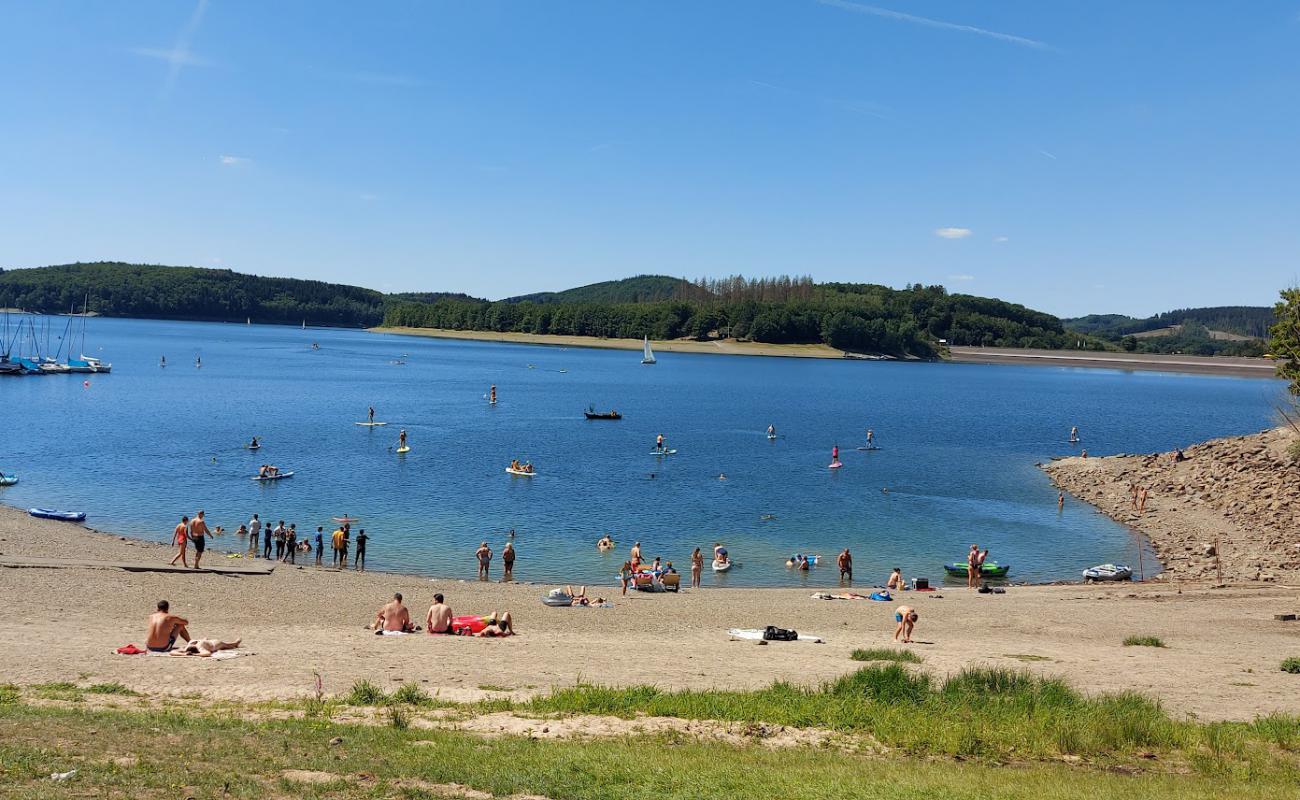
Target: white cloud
[(176, 57), (961, 277), (859, 8), (952, 233), (235, 161), (1000, 239)]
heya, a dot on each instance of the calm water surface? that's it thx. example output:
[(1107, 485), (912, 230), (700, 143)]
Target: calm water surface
[(958, 447)]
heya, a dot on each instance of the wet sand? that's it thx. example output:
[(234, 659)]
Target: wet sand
[(62, 625)]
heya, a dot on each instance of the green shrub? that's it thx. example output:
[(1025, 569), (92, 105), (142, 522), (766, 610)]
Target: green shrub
[(1144, 641), (111, 688), (1291, 665), (410, 694), (885, 654), (365, 693)]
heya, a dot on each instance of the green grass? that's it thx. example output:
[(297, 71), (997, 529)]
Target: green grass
[(885, 654), (410, 694), (59, 691), (9, 694), (1291, 665), (1144, 641), (229, 757), (492, 687), (365, 693), (111, 688), (983, 713)]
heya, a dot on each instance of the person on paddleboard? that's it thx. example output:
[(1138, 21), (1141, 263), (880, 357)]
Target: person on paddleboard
[(871, 438), (835, 453), (371, 416), (771, 431), (401, 439), (659, 442)]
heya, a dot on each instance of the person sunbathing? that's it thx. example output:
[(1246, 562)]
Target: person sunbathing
[(495, 624), (503, 626), (439, 617), (164, 629), (393, 617), (204, 648)]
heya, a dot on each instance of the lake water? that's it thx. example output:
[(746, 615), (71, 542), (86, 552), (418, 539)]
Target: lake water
[(958, 447)]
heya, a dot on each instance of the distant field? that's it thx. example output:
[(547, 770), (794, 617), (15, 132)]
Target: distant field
[(1174, 330)]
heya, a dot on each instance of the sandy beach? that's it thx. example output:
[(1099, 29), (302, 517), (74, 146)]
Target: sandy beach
[(63, 624), (726, 347), (1148, 362)]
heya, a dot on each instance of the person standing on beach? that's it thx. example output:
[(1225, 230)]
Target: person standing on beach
[(347, 542), (266, 540), (697, 567), (973, 567), (182, 538), (625, 575), (359, 563), (508, 561), (254, 534), (336, 540), (906, 618), (198, 535), (320, 544), (291, 544), (1142, 500), (845, 562), (1133, 493), (484, 556), (278, 533), (636, 556)]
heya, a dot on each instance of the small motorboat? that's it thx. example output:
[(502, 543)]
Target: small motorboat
[(990, 569), (62, 516), (277, 476), (593, 414), (721, 566), (8, 480), (1107, 572)]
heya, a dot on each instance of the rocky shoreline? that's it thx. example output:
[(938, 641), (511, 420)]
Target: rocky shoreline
[(1229, 510)]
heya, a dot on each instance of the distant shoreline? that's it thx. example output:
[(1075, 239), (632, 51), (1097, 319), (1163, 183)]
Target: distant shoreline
[(1205, 365), (726, 347), (1202, 365)]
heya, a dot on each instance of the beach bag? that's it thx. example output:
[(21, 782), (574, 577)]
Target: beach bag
[(774, 634)]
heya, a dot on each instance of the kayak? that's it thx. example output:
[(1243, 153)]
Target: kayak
[(721, 566), (663, 452), (405, 449), (990, 569), (1107, 572), (371, 424), (63, 516), (835, 465), (8, 480), (513, 471), (273, 477)]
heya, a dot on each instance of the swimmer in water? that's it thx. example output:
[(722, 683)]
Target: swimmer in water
[(771, 431)]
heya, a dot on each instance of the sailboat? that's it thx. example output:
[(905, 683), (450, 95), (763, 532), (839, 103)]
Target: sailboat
[(648, 355), (86, 363)]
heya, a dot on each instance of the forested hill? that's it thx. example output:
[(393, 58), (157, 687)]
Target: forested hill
[(854, 317), (138, 290), (1251, 321), (640, 289)]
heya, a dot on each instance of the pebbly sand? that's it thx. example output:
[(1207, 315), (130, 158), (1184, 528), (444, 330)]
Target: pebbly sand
[(63, 624)]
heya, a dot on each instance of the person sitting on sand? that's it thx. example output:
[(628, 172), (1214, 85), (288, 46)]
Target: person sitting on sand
[(895, 581), (906, 618), (164, 629), (438, 619), (393, 617), (204, 648)]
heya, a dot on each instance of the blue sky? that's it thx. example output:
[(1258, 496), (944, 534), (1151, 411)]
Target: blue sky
[(1077, 157)]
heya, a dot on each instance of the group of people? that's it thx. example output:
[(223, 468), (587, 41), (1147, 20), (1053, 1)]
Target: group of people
[(268, 470), (395, 617), (636, 565), (484, 556), (517, 466), (166, 628), (279, 542)]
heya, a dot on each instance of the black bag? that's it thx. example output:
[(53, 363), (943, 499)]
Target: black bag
[(774, 634)]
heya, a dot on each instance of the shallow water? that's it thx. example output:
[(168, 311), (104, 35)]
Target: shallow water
[(958, 448)]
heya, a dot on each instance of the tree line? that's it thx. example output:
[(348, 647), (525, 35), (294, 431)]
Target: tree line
[(867, 318)]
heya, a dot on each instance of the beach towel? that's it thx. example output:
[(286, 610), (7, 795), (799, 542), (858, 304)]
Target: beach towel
[(394, 633), (882, 596), (220, 655), (130, 650), (756, 634)]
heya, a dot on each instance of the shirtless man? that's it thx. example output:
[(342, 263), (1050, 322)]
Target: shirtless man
[(502, 625), (906, 618), (439, 617), (484, 556), (164, 629), (393, 616), (508, 561), (198, 535), (182, 538), (636, 554), (845, 562)]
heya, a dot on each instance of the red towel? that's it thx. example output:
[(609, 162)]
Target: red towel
[(130, 650)]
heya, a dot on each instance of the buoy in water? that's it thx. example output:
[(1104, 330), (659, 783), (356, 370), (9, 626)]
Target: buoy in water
[(85, 384)]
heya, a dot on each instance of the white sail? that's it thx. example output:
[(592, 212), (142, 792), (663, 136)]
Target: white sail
[(648, 356)]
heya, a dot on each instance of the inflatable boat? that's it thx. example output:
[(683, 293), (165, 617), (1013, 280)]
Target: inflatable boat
[(1107, 572)]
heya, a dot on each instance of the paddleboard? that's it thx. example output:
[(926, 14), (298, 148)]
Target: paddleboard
[(873, 447), (406, 449), (371, 424), (835, 465), (771, 436), (273, 477), (520, 472), (663, 452)]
